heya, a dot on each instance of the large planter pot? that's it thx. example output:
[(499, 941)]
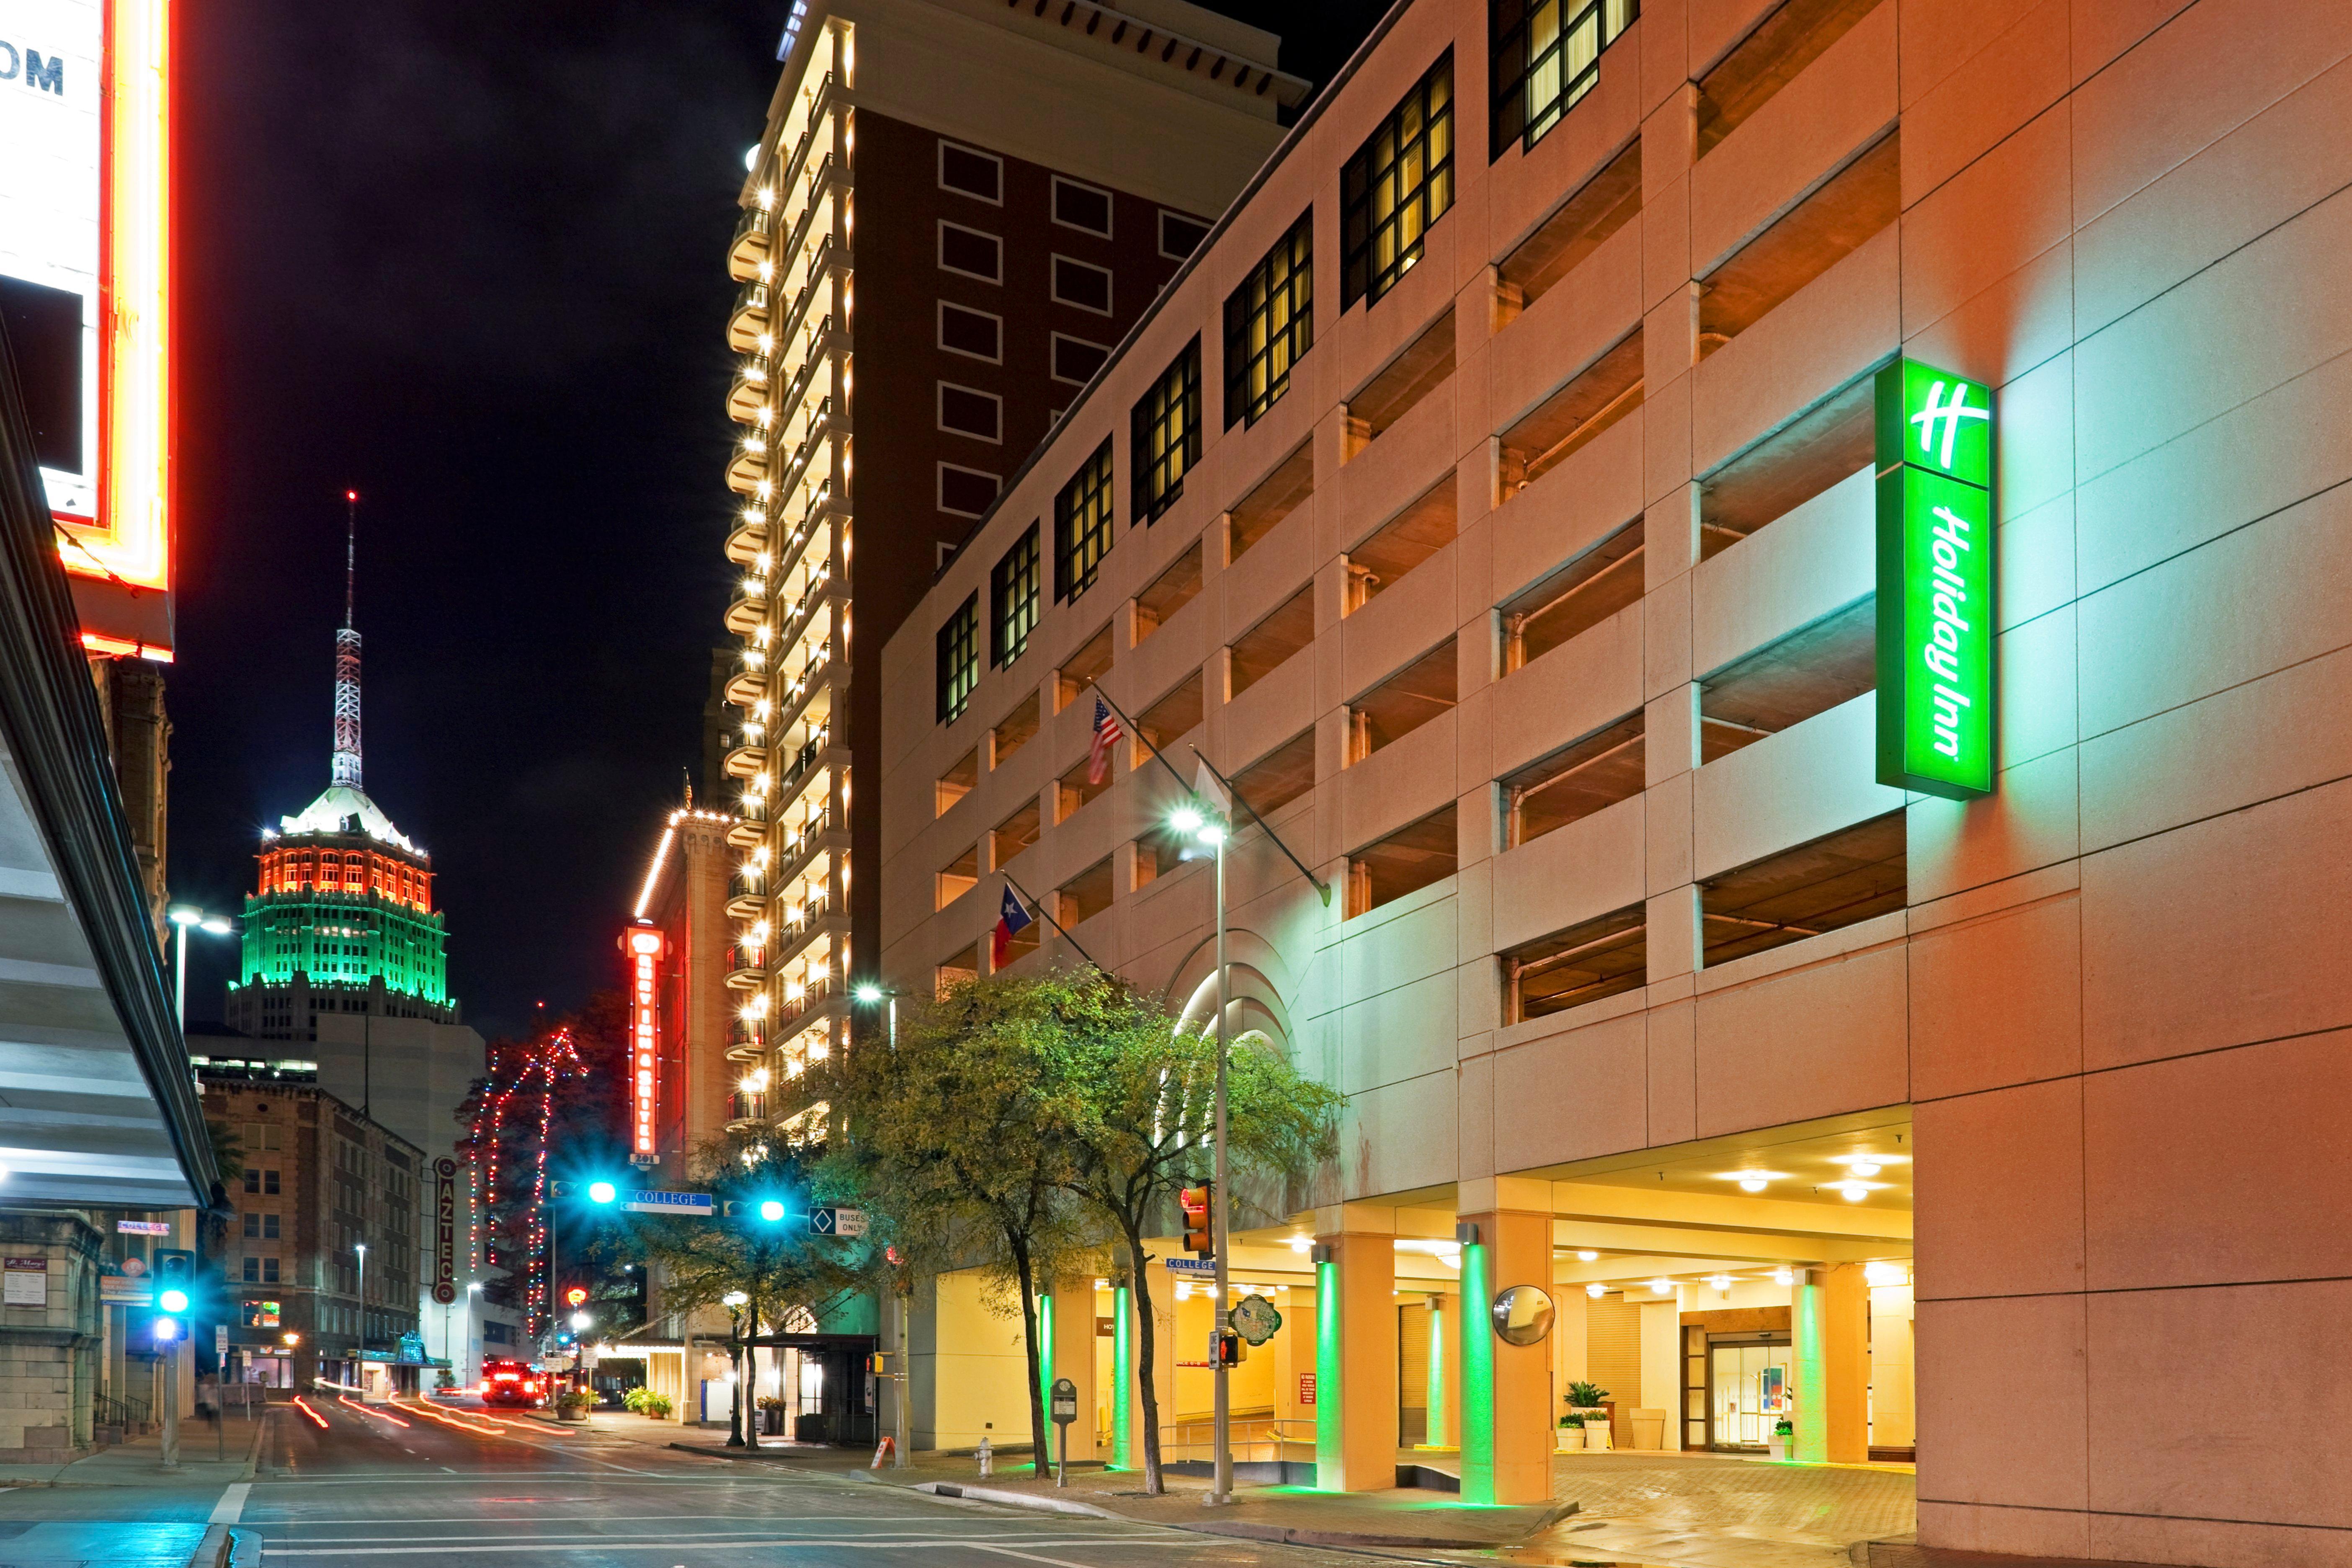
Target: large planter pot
[(1777, 1446), (567, 1412), (1571, 1437)]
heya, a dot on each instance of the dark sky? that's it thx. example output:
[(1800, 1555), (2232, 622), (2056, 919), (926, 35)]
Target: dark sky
[(469, 260)]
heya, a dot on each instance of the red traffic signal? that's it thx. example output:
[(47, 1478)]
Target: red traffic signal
[(1224, 1348), (576, 1295), (1199, 1230)]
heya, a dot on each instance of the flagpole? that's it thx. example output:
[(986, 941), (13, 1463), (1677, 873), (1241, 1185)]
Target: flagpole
[(1041, 914), (1239, 799), (1148, 746)]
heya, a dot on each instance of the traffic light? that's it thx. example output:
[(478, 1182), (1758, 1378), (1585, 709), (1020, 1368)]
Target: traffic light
[(1225, 1348), (175, 1292), (601, 1193), (1200, 1229), (769, 1210)]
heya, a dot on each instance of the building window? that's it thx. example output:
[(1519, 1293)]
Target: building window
[(1165, 435), (262, 1226), (976, 334), (1400, 182), (972, 171), (1082, 526), (1082, 284), (967, 492), (958, 658), (970, 252), (1547, 57), (1012, 600), (1077, 360), (1269, 324), (1081, 207), (1179, 236), (966, 411)]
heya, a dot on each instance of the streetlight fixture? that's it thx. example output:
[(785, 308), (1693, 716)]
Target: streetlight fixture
[(1203, 828), (735, 1301), (869, 994), (361, 1247), (182, 917)]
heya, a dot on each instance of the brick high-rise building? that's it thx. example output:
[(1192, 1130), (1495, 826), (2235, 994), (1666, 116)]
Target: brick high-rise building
[(955, 212)]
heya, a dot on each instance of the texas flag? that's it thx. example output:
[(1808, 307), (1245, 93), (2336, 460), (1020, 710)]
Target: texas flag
[(1012, 918)]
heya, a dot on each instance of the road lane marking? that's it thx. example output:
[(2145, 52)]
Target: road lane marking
[(232, 1503), (606, 1543)]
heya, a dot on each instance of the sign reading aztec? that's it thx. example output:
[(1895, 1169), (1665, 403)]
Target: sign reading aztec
[(1936, 620)]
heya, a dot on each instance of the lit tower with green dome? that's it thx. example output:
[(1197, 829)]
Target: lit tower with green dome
[(342, 919)]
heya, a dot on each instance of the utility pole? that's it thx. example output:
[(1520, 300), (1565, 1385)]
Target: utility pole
[(1221, 1483)]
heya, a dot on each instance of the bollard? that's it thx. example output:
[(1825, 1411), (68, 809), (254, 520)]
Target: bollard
[(986, 1458)]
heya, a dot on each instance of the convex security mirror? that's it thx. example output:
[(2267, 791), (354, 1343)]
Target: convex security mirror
[(1522, 1315)]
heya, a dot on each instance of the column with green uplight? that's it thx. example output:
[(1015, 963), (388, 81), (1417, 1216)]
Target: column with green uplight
[(1330, 1435), (1122, 1375), (1477, 1377), (1809, 1365)]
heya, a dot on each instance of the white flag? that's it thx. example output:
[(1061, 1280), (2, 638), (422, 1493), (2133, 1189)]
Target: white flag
[(1211, 793)]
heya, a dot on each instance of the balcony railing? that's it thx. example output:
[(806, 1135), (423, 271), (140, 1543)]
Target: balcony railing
[(748, 319), (749, 247), (746, 1034), (816, 995), (743, 1105)]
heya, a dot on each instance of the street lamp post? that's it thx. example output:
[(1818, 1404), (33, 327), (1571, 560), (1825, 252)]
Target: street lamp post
[(1214, 833), (361, 1247), (182, 917), (733, 1302), (869, 994)]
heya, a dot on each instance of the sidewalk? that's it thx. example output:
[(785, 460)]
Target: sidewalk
[(139, 1462), (1408, 1516)]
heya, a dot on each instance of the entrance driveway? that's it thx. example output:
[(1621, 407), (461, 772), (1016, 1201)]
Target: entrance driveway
[(1711, 1511)]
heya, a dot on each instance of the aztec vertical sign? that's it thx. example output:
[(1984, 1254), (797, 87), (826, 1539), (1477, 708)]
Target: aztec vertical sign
[(1935, 582)]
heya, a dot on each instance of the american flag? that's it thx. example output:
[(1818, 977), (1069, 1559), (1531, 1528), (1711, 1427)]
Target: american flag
[(1107, 734)]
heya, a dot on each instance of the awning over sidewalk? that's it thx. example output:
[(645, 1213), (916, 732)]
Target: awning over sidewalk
[(98, 1105)]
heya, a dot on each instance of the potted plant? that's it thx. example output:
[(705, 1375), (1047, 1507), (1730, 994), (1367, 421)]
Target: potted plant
[(772, 1415), (1571, 1431), (1784, 1435), (572, 1404), (647, 1403), (1590, 1400)]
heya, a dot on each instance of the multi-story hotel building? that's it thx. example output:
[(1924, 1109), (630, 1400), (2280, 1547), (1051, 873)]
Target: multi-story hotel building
[(1787, 564), (954, 212)]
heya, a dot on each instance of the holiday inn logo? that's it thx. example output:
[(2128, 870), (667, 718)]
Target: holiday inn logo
[(1935, 582)]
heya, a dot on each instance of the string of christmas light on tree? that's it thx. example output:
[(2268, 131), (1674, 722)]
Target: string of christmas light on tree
[(544, 1066)]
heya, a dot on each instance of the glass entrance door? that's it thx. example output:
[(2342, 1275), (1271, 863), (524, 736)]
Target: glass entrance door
[(1748, 1388)]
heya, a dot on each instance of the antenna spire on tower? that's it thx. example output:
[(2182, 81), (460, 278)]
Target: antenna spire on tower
[(346, 769)]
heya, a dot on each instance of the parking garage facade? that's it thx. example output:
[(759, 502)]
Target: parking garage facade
[(1536, 497)]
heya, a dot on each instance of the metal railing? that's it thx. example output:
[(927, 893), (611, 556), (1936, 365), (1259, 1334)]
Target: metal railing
[(1254, 1438), (746, 955), (751, 1105), (126, 1412)]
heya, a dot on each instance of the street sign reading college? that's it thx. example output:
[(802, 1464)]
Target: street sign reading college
[(1935, 582)]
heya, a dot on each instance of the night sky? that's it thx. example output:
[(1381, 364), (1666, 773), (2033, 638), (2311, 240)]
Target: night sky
[(469, 260)]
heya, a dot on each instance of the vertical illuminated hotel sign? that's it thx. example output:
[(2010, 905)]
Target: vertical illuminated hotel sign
[(1935, 582), (644, 946), (84, 286)]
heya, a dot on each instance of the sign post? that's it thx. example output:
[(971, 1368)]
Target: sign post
[(1935, 610), (1065, 1410)]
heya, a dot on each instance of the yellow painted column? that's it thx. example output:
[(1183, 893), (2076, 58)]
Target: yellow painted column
[(1845, 1363), (1074, 1358), (1446, 1371), (1506, 1438), (1356, 1351)]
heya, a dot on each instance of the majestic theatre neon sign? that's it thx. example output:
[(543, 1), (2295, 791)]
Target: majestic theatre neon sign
[(85, 95), (1935, 582)]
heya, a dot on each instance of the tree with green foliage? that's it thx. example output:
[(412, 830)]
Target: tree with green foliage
[(1131, 1100), (779, 1266), (950, 1146)]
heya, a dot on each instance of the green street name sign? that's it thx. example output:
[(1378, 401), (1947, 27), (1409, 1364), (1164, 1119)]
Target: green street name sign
[(1935, 582)]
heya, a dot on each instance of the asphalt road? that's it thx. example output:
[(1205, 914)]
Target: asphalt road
[(348, 1487)]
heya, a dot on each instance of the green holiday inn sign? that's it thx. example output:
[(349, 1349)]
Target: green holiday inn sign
[(1935, 582)]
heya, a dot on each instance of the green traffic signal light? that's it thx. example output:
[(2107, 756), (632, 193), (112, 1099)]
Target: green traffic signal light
[(772, 1211), (171, 1301), (601, 1191), (167, 1330)]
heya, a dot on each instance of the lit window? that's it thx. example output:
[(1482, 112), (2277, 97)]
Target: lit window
[(1547, 57), (1165, 436), (1082, 526), (958, 659), (1269, 324), (1012, 600), (1398, 183)]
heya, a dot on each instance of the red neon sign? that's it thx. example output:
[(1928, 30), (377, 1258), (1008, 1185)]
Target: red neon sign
[(644, 946)]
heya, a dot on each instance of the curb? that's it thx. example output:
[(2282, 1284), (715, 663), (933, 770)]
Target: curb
[(253, 1449), (212, 1551), (1283, 1534), (1018, 1499)]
